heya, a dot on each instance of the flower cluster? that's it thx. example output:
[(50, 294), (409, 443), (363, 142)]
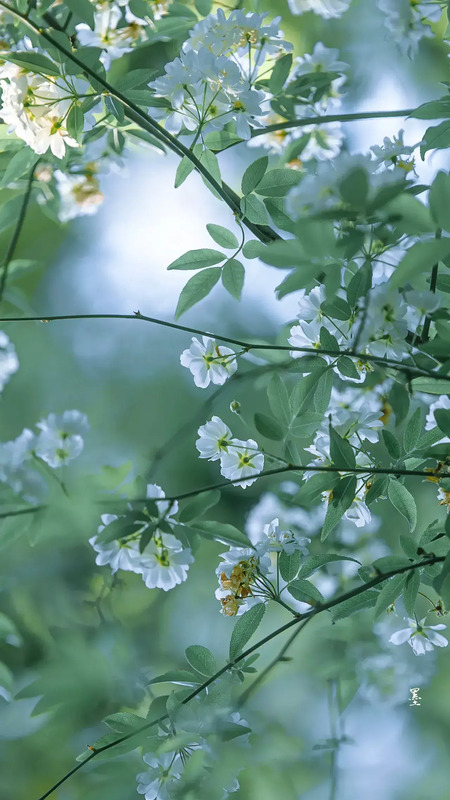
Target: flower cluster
[(209, 362), (409, 22), (238, 458), (211, 82), (35, 108), (116, 31), (163, 563)]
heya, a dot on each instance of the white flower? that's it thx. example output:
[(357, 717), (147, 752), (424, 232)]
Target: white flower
[(215, 439), (421, 637), (269, 506), (119, 555), (358, 513), (304, 335), (405, 20), (393, 153), (164, 562), (166, 508), (112, 40), (442, 402), (325, 142), (278, 540), (158, 781), (242, 460), (60, 439), (9, 363), (328, 9), (79, 195), (208, 362)]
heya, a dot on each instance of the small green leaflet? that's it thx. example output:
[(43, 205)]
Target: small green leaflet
[(305, 592), (254, 174), (403, 501), (277, 182), (197, 287), (201, 659), (343, 496), (389, 593), (244, 629), (185, 167), (222, 236), (21, 162), (354, 604), (439, 200), (254, 210), (199, 505), (182, 677), (314, 563), (233, 275), (442, 417), (124, 722), (437, 137), (222, 532), (197, 259), (289, 565), (341, 451), (412, 431), (278, 397), (410, 591), (268, 427), (34, 62)]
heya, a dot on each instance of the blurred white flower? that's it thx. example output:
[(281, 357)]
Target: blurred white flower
[(9, 363), (421, 637), (215, 439), (242, 460), (60, 439), (79, 195), (328, 9), (158, 781), (164, 562)]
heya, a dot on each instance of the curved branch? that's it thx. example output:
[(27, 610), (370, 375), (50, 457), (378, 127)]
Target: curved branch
[(17, 230), (410, 371), (298, 618)]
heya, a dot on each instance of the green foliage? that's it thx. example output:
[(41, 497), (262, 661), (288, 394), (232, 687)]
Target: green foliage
[(245, 627), (389, 593), (305, 592), (289, 565), (222, 236), (354, 604), (233, 275), (197, 287), (403, 501), (439, 200), (201, 659), (268, 427), (197, 259), (254, 174)]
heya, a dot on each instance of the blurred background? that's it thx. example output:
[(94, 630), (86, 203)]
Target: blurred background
[(84, 647)]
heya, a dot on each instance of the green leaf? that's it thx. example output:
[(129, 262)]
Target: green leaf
[(268, 427), (305, 592), (197, 259), (412, 431), (75, 122), (254, 209), (302, 396), (387, 564), (278, 398), (439, 200), (360, 283), (377, 488), (209, 160), (222, 236), (289, 565), (347, 368), (124, 722), (254, 174), (280, 73), (203, 7), (391, 443), (182, 677), (431, 386), (233, 275), (313, 563), (327, 340), (115, 107), (403, 501), (436, 109), (410, 591), (185, 167), (354, 187), (197, 287), (33, 62), (252, 249), (341, 451), (220, 140), (389, 593), (442, 417), (21, 162), (83, 9), (277, 182), (222, 532), (201, 659), (244, 629), (436, 138), (343, 496), (419, 259), (398, 398), (199, 505), (354, 604)]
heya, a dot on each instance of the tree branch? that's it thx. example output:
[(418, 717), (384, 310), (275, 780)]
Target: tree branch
[(17, 230), (410, 370), (297, 619)]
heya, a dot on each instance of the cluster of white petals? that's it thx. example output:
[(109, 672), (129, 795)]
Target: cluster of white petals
[(420, 637), (35, 108), (238, 458), (163, 563), (209, 362)]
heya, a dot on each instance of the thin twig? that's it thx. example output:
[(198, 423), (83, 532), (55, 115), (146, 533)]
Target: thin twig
[(17, 230)]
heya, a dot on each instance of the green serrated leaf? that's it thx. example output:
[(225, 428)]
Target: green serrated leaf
[(222, 532), (419, 259), (197, 287), (410, 592), (305, 592), (33, 62), (313, 563), (289, 565), (254, 209), (184, 169), (124, 722), (182, 677), (244, 629), (201, 659), (278, 398), (403, 501), (341, 451), (412, 431), (277, 182), (391, 443), (353, 604), (343, 496)]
